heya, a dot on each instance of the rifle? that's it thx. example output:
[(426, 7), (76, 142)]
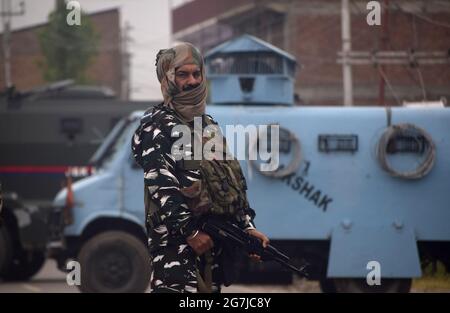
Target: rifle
[(232, 234)]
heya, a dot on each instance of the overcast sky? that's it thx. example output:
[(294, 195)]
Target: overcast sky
[(150, 22)]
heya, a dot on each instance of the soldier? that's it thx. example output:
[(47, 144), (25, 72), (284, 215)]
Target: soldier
[(184, 259)]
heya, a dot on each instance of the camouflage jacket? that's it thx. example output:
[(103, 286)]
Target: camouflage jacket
[(151, 146)]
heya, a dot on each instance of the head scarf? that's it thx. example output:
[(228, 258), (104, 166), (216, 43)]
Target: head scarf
[(190, 103)]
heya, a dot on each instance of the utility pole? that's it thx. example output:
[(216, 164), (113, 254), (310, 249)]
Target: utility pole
[(346, 49), (6, 14), (384, 46), (126, 56), (170, 4)]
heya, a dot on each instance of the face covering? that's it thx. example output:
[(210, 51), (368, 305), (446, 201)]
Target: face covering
[(186, 103)]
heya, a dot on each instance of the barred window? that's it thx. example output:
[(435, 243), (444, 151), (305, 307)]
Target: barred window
[(246, 64)]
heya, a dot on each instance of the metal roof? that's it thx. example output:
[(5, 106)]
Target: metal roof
[(247, 43)]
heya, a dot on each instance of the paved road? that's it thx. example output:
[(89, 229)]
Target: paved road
[(50, 279)]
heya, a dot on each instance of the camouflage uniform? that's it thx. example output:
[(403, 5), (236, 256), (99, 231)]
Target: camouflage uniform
[(174, 261)]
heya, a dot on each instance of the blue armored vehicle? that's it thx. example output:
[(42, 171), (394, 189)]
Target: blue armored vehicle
[(361, 193)]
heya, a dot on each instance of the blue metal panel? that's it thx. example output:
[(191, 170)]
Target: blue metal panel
[(133, 188), (88, 202), (247, 43), (352, 249), (359, 188)]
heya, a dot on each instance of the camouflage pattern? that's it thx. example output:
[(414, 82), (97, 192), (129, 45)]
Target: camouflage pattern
[(174, 270), (222, 189), (225, 186), (164, 181)]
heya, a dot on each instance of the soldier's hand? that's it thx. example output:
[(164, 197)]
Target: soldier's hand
[(200, 242), (264, 240)]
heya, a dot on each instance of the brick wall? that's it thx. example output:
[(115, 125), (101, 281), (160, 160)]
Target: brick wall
[(105, 68), (317, 40), (311, 31)]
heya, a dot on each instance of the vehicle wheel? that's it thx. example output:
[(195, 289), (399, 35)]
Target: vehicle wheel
[(354, 285), (24, 266), (5, 250), (327, 285), (114, 261)]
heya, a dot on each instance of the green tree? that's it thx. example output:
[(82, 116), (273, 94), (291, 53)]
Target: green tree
[(68, 49)]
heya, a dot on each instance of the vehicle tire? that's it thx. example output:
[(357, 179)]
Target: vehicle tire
[(327, 285), (356, 285), (24, 266), (114, 261), (6, 252)]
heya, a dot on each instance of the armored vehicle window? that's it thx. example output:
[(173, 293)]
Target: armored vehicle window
[(71, 126), (247, 64), (118, 137)]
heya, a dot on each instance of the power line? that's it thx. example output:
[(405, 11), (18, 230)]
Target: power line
[(386, 80), (419, 71), (423, 17)]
